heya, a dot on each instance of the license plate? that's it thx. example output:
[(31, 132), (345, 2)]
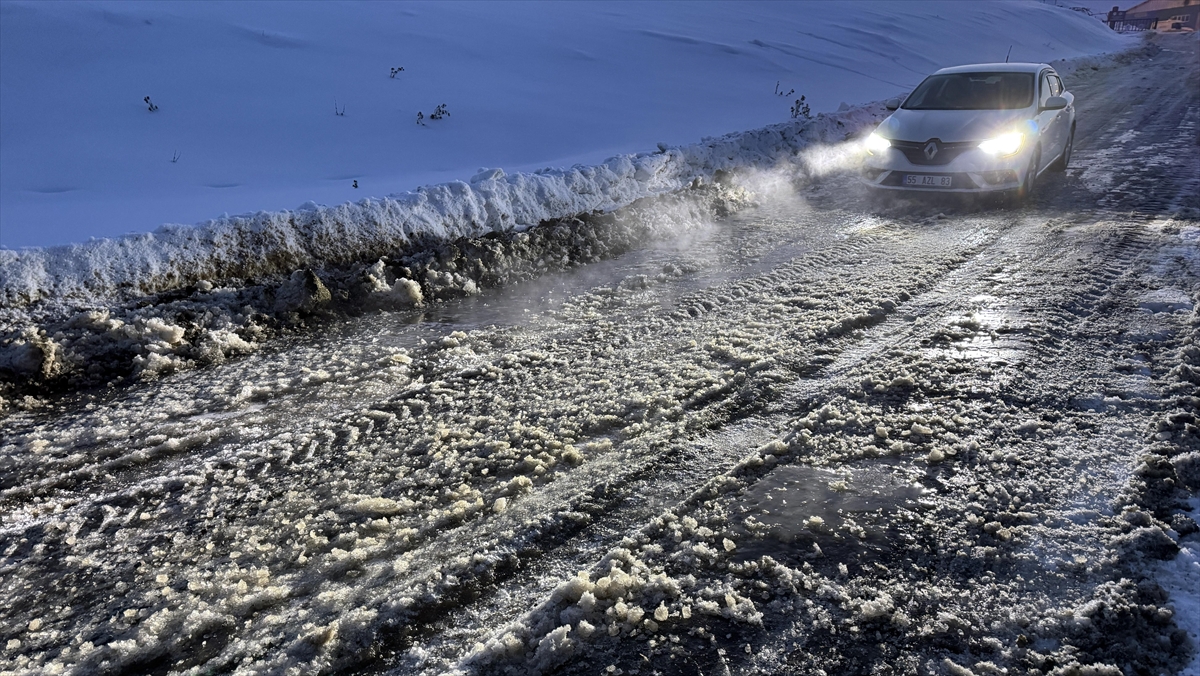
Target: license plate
[(925, 180)]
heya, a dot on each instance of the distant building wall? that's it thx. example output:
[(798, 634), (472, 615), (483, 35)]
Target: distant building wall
[(1184, 12)]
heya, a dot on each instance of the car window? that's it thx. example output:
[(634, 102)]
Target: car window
[(1056, 83), (1045, 94), (973, 91)]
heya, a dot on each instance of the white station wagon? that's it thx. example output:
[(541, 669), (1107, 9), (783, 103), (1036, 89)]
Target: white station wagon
[(980, 128)]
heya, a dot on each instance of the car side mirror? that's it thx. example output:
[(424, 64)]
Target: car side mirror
[(892, 104), (1055, 103)]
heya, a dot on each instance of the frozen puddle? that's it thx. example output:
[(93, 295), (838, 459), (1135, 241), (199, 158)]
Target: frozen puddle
[(989, 334), (798, 505), (1165, 300)]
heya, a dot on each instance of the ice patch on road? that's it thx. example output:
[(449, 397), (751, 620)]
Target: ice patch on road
[(1165, 300), (799, 501)]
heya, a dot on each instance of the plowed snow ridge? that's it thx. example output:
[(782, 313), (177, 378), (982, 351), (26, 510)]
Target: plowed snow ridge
[(275, 243)]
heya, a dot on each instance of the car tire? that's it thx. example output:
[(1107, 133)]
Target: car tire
[(1029, 185), (1065, 159)]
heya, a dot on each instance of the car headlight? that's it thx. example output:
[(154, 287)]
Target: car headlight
[(877, 143), (1004, 144)]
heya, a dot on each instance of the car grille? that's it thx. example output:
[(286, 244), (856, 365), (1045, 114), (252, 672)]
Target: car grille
[(946, 152)]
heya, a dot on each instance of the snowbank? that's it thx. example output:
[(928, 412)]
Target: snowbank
[(275, 243), (1181, 578)]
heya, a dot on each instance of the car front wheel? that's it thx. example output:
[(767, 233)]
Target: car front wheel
[(1030, 183), (1063, 160)]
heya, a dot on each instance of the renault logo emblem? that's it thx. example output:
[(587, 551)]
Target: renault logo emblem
[(931, 150)]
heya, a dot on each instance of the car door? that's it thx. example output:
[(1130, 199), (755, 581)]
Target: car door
[(1049, 128), (1061, 122), (1066, 117)]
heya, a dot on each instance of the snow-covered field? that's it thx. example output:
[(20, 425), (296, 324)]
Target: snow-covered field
[(246, 92), (700, 409)]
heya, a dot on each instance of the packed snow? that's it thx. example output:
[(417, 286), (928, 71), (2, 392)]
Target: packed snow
[(1181, 578)]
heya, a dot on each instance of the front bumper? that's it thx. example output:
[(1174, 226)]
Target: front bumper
[(972, 171)]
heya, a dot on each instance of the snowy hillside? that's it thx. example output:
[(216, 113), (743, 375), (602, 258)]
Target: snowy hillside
[(245, 93)]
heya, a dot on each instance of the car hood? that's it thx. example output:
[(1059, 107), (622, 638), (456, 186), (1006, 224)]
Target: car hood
[(950, 125)]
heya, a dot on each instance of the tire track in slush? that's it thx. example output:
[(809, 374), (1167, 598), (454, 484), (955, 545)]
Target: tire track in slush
[(668, 476), (1094, 289)]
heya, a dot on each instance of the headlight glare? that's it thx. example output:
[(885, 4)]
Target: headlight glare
[(877, 143), (1004, 144)]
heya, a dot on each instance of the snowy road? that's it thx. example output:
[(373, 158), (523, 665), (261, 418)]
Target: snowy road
[(815, 437)]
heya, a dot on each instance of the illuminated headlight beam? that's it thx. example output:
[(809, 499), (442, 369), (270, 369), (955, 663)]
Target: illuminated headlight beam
[(1004, 144), (877, 143)]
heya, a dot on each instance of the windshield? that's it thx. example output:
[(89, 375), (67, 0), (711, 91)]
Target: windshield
[(973, 91)]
